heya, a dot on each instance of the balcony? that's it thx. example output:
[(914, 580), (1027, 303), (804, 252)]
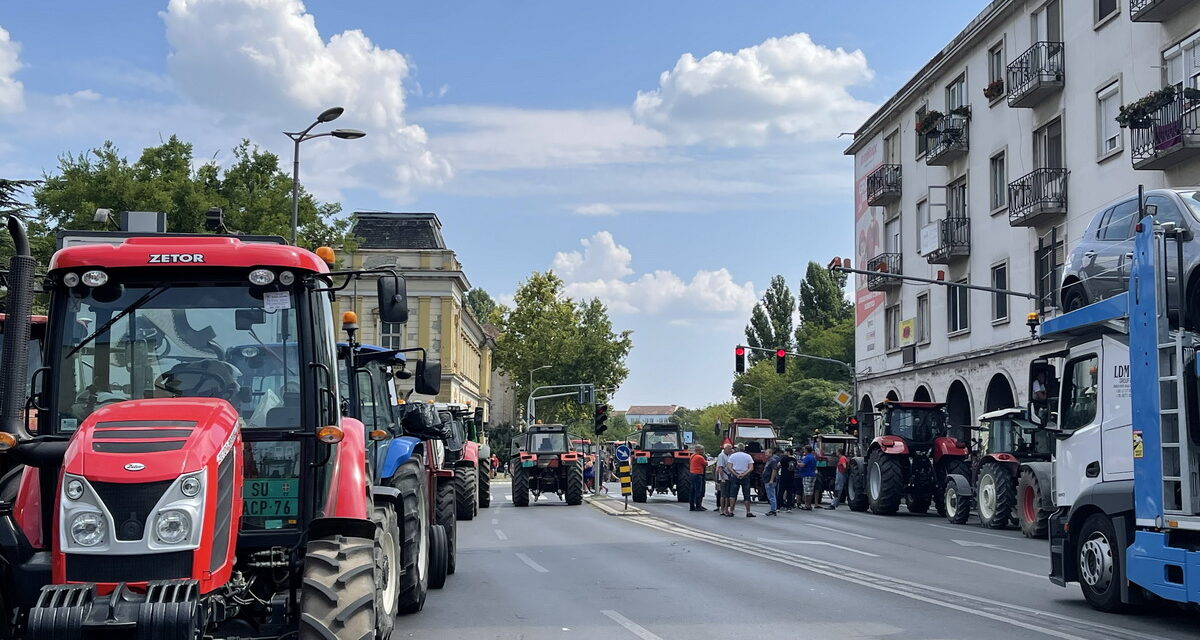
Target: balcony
[(883, 185), (1155, 10), (1037, 198), (953, 240), (884, 263), (948, 141), (1168, 136), (1035, 74)]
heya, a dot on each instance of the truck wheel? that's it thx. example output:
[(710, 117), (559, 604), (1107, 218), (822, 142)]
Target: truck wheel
[(638, 480), (520, 487), (446, 517), (856, 488), (439, 556), (918, 505), (337, 597), (956, 508), (1101, 569), (574, 493), (465, 488), (997, 495), (414, 526), (387, 569), (683, 485), (1034, 516), (885, 483), (485, 490)]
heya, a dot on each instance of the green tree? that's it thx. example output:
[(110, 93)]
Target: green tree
[(481, 304), (826, 323), (771, 320)]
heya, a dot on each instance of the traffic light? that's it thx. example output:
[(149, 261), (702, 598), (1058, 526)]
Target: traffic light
[(852, 425), (780, 360), (739, 363), (587, 393), (601, 418)]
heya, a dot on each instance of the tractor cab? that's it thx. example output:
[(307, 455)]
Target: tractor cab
[(1009, 431), (546, 462), (917, 424), (827, 445)]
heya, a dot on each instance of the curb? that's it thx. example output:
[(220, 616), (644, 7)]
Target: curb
[(614, 508)]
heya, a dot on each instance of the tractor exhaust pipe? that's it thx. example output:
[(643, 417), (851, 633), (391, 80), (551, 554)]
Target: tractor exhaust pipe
[(16, 333)]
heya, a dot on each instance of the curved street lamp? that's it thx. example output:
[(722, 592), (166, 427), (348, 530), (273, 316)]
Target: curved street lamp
[(328, 115)]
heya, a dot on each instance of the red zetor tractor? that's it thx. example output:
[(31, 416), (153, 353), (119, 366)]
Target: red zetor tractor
[(544, 462), (756, 435), (660, 463), (169, 493), (908, 461)]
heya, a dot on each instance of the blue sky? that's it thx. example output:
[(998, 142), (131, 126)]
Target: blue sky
[(668, 157)]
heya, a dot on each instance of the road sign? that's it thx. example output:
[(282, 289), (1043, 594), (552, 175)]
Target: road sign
[(843, 398), (622, 452), (687, 437), (626, 484)]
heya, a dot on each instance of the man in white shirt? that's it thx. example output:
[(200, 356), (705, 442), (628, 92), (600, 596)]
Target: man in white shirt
[(724, 503), (738, 470)]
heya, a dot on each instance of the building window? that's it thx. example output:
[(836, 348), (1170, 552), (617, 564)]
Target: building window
[(956, 199), (391, 335), (1105, 8), (1181, 63), (956, 93), (957, 308), (998, 180), (892, 236), (1047, 146), (923, 319), (1108, 105), (891, 148), (892, 328), (922, 141), (996, 66), (1048, 262), (1000, 300)]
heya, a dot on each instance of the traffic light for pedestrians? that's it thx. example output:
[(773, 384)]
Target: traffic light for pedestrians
[(780, 360), (739, 363), (601, 418)]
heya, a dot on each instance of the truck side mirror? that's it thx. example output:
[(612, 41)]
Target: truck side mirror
[(392, 294), (429, 378)]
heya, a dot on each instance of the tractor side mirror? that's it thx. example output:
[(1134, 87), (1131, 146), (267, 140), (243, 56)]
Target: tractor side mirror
[(429, 378), (478, 415), (245, 319), (392, 294)]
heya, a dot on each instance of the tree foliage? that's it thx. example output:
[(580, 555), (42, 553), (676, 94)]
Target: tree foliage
[(771, 320), (574, 341), (481, 304)]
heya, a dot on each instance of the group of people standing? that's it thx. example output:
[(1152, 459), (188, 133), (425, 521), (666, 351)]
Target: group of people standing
[(789, 479)]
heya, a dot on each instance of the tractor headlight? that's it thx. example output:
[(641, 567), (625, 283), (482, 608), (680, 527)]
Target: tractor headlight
[(87, 529), (262, 277), (190, 486), (95, 278), (173, 526), (74, 489)]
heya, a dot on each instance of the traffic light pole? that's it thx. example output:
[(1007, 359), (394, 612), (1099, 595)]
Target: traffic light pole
[(533, 398), (849, 367)]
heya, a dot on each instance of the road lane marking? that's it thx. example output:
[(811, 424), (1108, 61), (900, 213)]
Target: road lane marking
[(845, 533), (495, 520), (508, 496), (500, 534), (532, 565), (971, 531), (631, 626), (968, 543), (819, 543), (996, 566)]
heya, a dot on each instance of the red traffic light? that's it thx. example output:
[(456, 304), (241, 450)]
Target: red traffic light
[(740, 351), (853, 421), (781, 353)]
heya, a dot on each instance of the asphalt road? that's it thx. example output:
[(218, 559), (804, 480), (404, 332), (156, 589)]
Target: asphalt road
[(551, 570)]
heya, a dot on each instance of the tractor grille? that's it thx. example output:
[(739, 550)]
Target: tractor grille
[(130, 504), (134, 568), (224, 518)]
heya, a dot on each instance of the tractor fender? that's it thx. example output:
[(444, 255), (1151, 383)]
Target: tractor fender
[(1005, 458), (348, 482), (470, 453), (382, 493), (399, 450), (1044, 472), (947, 447), (962, 485), (353, 527), (891, 444)]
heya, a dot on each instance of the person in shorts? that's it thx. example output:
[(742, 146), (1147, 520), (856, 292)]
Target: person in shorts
[(807, 470), (738, 470)]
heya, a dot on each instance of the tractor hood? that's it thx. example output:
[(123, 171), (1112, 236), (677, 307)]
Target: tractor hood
[(152, 440)]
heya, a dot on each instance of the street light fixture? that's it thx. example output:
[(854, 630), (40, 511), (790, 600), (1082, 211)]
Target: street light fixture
[(328, 115), (759, 398), (531, 372)]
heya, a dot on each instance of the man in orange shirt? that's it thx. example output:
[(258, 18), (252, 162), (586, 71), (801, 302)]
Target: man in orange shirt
[(697, 464)]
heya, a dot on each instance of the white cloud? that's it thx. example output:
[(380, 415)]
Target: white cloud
[(73, 99), (783, 88), (12, 92), (596, 209), (265, 59), (601, 270)]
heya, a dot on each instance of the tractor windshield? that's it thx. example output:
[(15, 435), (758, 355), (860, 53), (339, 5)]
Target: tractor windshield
[(917, 425), (548, 443), (180, 340), (1018, 436), (661, 440)]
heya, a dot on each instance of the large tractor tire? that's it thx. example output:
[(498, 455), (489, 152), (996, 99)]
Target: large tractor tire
[(957, 466), (520, 487), (466, 487), (683, 484), (1100, 562), (1031, 505), (337, 596), (446, 513), (387, 568), (485, 490), (574, 488), (856, 487), (414, 527), (996, 492), (885, 483), (439, 556), (918, 504), (955, 507), (639, 478)]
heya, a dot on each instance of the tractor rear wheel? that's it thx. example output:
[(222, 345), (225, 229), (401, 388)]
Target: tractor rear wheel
[(466, 487), (956, 508), (414, 527), (337, 597), (446, 517), (683, 484), (520, 486), (885, 483), (439, 556), (485, 490), (387, 568), (574, 488), (638, 479), (856, 487), (997, 495), (1034, 515)]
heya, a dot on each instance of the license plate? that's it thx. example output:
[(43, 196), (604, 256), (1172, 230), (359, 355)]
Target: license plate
[(271, 497), (822, 463)]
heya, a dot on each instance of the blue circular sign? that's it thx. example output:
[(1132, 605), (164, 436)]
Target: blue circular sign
[(622, 452)]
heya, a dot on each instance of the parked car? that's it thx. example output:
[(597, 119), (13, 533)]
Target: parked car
[(1098, 267)]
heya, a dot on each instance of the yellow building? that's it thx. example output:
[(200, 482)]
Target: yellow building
[(412, 243)]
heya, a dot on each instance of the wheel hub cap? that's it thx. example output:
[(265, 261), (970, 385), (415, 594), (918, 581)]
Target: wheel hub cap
[(951, 500), (987, 496), (874, 481), (1096, 562)]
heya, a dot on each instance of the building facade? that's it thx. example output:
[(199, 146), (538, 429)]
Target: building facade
[(987, 166), (438, 321), (651, 414)]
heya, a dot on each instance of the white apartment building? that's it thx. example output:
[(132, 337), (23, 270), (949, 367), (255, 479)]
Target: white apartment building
[(997, 191)]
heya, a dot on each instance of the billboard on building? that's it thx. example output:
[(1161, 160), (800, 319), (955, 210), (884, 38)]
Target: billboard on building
[(868, 243)]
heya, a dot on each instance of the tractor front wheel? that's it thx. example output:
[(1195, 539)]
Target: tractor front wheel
[(466, 487), (337, 596), (1035, 517), (956, 508), (885, 483), (485, 490), (918, 504), (439, 556), (520, 486), (856, 488), (574, 492), (997, 495), (639, 478), (446, 517), (387, 568)]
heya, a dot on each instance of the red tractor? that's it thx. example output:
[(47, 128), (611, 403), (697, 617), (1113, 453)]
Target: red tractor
[(756, 435), (168, 493), (544, 462), (468, 457), (908, 461), (826, 447), (660, 463)]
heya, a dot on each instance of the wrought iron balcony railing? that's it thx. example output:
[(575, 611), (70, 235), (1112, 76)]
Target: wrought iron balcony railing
[(1168, 136), (883, 185), (1155, 10), (953, 241), (948, 141), (1036, 197), (884, 263), (1035, 74)]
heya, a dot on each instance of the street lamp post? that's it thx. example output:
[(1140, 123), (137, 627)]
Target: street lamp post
[(328, 115), (528, 416), (759, 398)]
